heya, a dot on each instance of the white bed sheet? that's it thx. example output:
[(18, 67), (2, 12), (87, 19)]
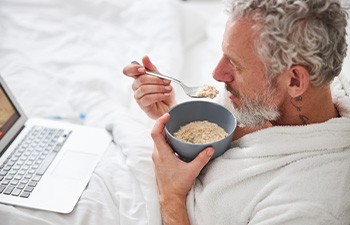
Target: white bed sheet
[(64, 58)]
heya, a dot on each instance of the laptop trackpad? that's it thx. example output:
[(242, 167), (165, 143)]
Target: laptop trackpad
[(74, 165)]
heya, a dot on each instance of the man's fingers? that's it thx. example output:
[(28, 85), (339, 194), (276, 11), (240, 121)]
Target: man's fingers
[(158, 134), (133, 70), (148, 64), (151, 90), (201, 160), (157, 131), (148, 79)]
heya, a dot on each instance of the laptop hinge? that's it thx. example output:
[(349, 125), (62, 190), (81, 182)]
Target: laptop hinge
[(10, 142)]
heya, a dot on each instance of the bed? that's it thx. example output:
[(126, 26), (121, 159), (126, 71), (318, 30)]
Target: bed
[(64, 59)]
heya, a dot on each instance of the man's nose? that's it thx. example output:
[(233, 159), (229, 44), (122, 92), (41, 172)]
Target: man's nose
[(222, 72)]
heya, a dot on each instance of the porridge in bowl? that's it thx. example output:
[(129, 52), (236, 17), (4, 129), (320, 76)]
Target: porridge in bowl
[(198, 111), (200, 132)]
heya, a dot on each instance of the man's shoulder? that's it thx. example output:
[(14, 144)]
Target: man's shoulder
[(321, 181)]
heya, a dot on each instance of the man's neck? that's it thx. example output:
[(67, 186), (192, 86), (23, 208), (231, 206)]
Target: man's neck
[(314, 106)]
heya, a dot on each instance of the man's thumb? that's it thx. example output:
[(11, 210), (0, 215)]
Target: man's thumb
[(202, 159)]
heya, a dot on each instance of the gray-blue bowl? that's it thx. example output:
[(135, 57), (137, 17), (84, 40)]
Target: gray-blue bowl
[(191, 111)]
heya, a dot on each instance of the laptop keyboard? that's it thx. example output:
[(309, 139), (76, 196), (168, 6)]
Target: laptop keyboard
[(24, 167)]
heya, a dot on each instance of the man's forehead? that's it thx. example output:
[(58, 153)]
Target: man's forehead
[(243, 26), (239, 34)]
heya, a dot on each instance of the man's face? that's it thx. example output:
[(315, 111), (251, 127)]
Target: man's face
[(249, 96)]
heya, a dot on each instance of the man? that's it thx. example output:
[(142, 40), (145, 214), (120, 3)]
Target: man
[(290, 158)]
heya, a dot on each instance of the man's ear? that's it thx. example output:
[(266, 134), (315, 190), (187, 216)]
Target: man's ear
[(299, 80)]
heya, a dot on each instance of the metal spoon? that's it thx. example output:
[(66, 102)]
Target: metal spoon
[(190, 91)]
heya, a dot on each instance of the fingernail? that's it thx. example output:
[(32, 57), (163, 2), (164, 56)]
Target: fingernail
[(210, 152), (167, 88), (166, 81), (141, 70)]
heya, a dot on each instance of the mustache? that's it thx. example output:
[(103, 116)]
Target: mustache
[(233, 91)]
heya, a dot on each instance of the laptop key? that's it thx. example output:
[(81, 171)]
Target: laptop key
[(16, 192), (12, 172), (2, 188), (36, 178), (5, 182), (21, 186), (28, 176), (25, 194), (7, 168), (24, 181), (46, 163), (14, 182), (3, 173), (29, 189), (32, 183), (18, 177), (9, 177), (9, 189)]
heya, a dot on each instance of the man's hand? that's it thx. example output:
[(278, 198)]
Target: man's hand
[(174, 176), (154, 95)]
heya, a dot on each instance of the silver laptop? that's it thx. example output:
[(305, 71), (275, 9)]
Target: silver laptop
[(45, 164)]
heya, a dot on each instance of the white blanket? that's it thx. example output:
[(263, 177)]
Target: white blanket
[(65, 58), (280, 175)]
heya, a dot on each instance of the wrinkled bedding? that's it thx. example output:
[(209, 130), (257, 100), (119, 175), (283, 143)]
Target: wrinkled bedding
[(64, 59)]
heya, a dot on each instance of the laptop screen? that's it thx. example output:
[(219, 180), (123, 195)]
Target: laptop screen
[(8, 113)]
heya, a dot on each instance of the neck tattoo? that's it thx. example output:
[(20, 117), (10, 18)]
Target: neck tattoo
[(298, 103)]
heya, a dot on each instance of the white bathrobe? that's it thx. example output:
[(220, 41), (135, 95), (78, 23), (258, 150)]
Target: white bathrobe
[(280, 175)]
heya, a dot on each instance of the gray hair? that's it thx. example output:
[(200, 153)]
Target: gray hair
[(311, 33)]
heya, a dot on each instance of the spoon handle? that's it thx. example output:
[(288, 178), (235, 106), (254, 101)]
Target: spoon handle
[(159, 75)]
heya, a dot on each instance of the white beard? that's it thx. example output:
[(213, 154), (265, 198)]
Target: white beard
[(254, 112)]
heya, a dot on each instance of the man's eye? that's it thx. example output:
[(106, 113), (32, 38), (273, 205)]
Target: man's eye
[(234, 65)]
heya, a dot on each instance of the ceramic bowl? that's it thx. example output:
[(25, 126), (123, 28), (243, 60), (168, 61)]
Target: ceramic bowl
[(191, 111)]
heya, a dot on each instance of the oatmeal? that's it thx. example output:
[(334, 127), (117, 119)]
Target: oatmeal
[(200, 132), (207, 91)]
